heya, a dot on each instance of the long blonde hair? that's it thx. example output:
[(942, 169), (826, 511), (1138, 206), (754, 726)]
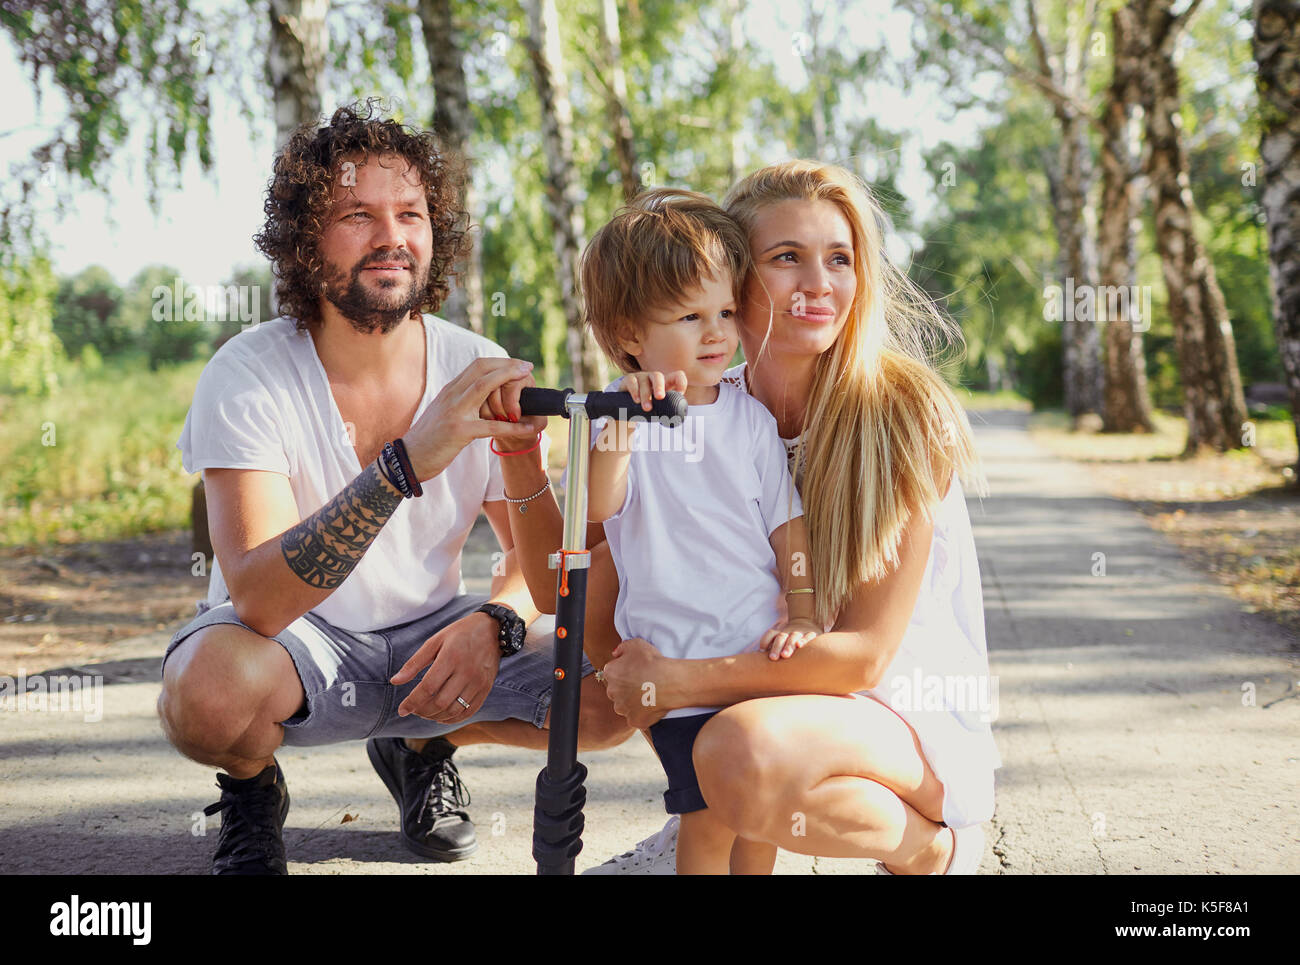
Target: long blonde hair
[(883, 433)]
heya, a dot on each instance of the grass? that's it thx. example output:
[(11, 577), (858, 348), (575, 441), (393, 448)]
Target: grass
[(974, 401), (98, 459)]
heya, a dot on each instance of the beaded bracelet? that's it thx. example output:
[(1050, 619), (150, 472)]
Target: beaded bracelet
[(528, 499)]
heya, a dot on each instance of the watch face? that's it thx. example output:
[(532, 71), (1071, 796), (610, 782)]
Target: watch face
[(512, 628)]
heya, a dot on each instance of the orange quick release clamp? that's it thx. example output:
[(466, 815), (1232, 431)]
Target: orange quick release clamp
[(565, 560)]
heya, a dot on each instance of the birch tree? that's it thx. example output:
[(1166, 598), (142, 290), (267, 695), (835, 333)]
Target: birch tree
[(295, 62), (1207, 356), (1126, 404), (454, 124), (542, 40), (1277, 52)]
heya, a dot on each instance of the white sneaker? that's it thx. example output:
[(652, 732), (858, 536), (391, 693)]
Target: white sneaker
[(656, 855)]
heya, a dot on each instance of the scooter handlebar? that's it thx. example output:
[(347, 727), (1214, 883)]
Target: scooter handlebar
[(670, 410)]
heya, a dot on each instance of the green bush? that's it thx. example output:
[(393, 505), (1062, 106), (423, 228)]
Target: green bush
[(97, 459)]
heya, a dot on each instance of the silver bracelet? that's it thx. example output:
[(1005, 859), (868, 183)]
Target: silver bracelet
[(529, 499)]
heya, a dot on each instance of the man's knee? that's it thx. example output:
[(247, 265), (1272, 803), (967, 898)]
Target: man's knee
[(599, 727), (217, 682)]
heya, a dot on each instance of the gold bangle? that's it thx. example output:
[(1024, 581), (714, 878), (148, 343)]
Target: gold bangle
[(806, 589)]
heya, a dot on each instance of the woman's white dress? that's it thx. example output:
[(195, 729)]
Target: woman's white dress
[(939, 681)]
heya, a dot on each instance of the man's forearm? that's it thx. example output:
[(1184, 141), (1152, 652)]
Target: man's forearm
[(290, 574)]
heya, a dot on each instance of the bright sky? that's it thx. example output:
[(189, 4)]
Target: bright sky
[(205, 228)]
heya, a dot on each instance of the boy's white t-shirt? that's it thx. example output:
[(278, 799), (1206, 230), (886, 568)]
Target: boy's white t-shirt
[(696, 572), (264, 402)]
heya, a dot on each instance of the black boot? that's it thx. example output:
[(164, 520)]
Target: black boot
[(252, 824), (430, 796)]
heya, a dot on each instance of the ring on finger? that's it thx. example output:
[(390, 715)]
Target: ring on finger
[(462, 702)]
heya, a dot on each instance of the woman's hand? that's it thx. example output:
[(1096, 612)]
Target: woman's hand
[(633, 678), (783, 641), (503, 404)]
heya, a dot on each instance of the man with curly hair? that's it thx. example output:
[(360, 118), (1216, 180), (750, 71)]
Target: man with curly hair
[(345, 453)]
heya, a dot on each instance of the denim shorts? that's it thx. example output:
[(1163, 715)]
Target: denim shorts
[(345, 674)]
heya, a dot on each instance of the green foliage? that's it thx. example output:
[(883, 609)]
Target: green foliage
[(98, 460), (86, 314), (29, 350), (115, 64), (989, 251)]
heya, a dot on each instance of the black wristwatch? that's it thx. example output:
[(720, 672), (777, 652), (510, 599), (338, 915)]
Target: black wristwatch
[(511, 635)]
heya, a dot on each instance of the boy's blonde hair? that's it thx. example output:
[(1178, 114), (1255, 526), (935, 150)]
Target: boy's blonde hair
[(883, 434), (663, 243)]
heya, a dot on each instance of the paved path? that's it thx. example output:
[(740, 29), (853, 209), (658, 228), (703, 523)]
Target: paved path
[(1127, 746)]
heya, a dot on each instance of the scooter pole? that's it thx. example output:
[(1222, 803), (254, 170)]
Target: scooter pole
[(557, 814)]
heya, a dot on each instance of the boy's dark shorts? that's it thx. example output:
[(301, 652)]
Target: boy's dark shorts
[(345, 674), (674, 740)]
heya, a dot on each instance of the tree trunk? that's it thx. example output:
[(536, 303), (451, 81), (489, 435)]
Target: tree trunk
[(1126, 404), (295, 67), (1078, 260), (453, 123), (542, 40), (1065, 72), (1207, 354), (735, 117), (620, 121), (295, 62), (1277, 51)]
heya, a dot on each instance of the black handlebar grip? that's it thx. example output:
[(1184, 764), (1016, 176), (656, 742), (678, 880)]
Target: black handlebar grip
[(668, 411), (534, 401)]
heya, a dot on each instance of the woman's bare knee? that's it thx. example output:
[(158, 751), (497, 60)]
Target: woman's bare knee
[(739, 771)]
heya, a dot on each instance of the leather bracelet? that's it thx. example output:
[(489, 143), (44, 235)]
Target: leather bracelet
[(398, 474), (409, 469)]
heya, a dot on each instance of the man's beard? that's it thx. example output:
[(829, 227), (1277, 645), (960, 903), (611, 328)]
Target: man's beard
[(367, 310)]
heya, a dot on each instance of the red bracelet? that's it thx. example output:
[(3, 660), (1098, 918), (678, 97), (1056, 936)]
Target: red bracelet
[(492, 444)]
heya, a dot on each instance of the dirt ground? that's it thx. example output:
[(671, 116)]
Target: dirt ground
[(64, 605), (67, 604)]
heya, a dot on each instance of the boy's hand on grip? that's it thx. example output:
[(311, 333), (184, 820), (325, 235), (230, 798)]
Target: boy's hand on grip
[(647, 386)]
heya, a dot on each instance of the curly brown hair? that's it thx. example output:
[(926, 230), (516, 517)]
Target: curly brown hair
[(301, 190)]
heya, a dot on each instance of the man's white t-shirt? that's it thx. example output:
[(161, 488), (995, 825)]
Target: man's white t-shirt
[(696, 572), (264, 402)]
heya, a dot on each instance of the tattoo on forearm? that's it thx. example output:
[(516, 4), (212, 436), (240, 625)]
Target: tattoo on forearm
[(324, 548)]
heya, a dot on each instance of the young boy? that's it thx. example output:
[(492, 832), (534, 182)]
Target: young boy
[(703, 520)]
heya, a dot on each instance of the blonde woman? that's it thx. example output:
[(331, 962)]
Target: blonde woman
[(873, 741)]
